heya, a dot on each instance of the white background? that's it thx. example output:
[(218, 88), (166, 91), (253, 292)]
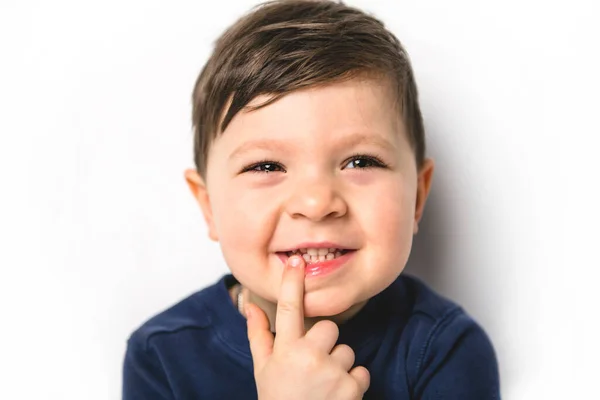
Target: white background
[(98, 231)]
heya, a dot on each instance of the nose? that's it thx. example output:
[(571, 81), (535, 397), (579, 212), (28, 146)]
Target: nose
[(316, 200)]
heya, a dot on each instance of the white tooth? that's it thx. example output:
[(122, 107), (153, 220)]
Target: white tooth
[(314, 258), (338, 254), (306, 257), (312, 252), (323, 252), (303, 251), (332, 250), (322, 258), (330, 256)]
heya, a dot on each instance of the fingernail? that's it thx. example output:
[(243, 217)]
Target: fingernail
[(295, 261)]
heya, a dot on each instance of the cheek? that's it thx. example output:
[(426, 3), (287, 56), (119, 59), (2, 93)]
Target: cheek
[(244, 222), (390, 218)]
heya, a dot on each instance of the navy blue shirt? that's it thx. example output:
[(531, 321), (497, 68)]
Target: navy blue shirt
[(415, 343)]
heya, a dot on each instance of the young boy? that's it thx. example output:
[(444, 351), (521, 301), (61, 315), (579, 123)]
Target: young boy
[(311, 173)]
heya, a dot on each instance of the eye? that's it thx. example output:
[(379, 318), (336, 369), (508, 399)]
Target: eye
[(264, 167), (363, 161)]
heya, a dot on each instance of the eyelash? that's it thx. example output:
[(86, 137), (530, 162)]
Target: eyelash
[(253, 166), (374, 160)]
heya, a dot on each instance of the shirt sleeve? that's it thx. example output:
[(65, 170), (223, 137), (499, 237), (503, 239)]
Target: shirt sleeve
[(143, 376), (458, 363)]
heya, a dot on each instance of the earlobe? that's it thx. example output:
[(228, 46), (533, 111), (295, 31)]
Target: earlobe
[(424, 179), (200, 192)]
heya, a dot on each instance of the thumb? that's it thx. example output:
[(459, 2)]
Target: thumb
[(259, 335)]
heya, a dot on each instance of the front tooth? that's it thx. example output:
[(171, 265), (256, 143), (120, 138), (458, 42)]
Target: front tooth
[(330, 256), (312, 252), (306, 257), (323, 252), (322, 258), (314, 258)]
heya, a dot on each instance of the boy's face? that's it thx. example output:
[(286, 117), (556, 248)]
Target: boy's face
[(341, 170)]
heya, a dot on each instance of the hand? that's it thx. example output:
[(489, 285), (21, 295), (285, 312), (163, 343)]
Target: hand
[(295, 364)]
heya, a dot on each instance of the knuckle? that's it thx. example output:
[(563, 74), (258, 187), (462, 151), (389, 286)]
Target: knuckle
[(361, 377), (344, 348), (328, 327), (306, 359), (354, 390), (311, 361), (251, 339), (256, 337), (286, 307)]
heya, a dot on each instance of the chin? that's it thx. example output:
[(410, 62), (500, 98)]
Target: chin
[(322, 306)]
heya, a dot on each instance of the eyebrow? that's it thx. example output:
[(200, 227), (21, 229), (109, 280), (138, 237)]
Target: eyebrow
[(262, 144), (360, 138), (281, 146)]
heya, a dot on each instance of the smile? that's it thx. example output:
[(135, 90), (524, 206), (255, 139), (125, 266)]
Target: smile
[(320, 261), (315, 255)]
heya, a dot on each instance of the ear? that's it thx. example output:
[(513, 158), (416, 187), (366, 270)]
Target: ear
[(200, 193), (423, 187)]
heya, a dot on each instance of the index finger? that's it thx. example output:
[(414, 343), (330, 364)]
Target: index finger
[(289, 320)]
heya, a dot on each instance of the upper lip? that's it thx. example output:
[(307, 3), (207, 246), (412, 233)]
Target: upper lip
[(316, 245)]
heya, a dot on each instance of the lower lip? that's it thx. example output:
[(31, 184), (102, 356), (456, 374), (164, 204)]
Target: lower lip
[(321, 268)]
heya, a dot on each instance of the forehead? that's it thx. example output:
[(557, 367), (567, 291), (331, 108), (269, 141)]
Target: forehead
[(357, 107)]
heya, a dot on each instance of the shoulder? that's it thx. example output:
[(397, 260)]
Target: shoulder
[(432, 319), (150, 360), (444, 342), (190, 313), (428, 311)]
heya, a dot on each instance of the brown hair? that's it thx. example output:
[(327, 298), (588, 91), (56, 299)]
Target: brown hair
[(286, 45)]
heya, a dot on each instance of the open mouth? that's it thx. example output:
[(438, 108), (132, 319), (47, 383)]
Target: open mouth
[(315, 255)]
